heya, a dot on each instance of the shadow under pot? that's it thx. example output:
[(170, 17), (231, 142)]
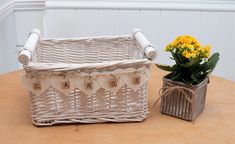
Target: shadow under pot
[(182, 100)]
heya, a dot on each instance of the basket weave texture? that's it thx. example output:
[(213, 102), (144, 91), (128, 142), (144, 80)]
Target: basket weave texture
[(87, 80)]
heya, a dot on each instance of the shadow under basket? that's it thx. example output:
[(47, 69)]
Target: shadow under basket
[(184, 101)]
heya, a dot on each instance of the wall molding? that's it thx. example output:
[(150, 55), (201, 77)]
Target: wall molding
[(29, 5), (6, 9), (151, 5), (203, 5), (16, 5)]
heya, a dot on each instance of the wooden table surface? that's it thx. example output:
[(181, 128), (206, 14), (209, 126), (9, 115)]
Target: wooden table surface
[(216, 125)]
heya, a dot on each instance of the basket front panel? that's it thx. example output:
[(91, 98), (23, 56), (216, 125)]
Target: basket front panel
[(52, 107)]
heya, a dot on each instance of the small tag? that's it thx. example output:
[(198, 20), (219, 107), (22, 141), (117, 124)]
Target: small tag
[(112, 82), (136, 80), (66, 85), (37, 86), (89, 85)]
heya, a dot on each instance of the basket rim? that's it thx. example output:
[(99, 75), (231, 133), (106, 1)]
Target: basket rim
[(89, 37), (71, 66)]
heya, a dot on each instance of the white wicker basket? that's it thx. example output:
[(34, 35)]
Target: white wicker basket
[(87, 80)]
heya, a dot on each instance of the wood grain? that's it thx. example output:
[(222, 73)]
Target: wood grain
[(215, 124)]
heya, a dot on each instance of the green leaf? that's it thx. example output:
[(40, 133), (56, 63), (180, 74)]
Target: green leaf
[(195, 77), (165, 67), (203, 70), (176, 58), (209, 66), (176, 75)]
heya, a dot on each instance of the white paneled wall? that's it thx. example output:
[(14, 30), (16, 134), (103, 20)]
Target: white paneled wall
[(26, 21), (161, 22), (8, 51), (217, 28), (111, 27), (160, 26)]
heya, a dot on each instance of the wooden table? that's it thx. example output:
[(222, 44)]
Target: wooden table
[(216, 125)]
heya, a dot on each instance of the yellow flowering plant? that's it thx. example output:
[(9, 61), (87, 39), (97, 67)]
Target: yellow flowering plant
[(193, 62)]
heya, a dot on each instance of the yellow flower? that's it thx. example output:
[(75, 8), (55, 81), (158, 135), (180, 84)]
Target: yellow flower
[(186, 54), (200, 50), (168, 47), (182, 40), (206, 55), (189, 40), (175, 43), (188, 47), (193, 55), (197, 45), (194, 51), (207, 48)]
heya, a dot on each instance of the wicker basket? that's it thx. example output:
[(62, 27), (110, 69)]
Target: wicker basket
[(87, 80), (186, 103)]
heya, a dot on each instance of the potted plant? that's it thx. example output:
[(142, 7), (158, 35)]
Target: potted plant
[(184, 90)]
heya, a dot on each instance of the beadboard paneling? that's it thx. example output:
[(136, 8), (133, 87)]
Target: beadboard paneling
[(8, 51), (128, 19), (190, 23), (108, 22), (150, 24), (49, 26), (65, 23), (86, 22), (210, 22), (169, 28), (26, 21), (160, 26), (217, 29)]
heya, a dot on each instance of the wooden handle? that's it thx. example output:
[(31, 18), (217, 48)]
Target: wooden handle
[(149, 51), (25, 54)]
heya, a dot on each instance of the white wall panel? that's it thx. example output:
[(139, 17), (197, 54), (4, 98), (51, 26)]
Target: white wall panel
[(169, 29), (108, 22), (217, 29), (233, 47), (190, 23), (160, 26), (65, 22), (49, 27), (128, 19), (25, 21), (150, 24), (60, 23), (86, 22), (8, 51)]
